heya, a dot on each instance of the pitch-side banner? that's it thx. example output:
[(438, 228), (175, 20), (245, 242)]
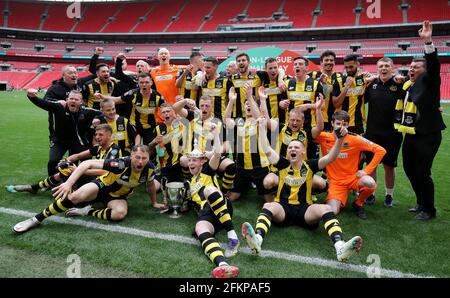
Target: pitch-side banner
[(258, 56)]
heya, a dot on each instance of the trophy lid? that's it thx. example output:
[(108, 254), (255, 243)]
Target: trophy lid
[(196, 153)]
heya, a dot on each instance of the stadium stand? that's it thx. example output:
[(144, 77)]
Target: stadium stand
[(336, 13), (438, 11), (34, 11), (224, 13), (206, 15), (96, 17), (191, 16), (304, 17), (159, 15), (17, 79), (54, 21), (390, 14), (127, 18)]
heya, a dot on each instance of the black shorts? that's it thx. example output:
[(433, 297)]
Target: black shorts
[(103, 195), (172, 173), (207, 214), (147, 134), (391, 143), (295, 215), (245, 177)]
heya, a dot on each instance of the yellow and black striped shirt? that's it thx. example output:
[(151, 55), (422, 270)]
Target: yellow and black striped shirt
[(275, 95), (328, 110), (188, 89), (121, 180), (353, 103), (296, 184), (287, 135), (199, 130), (92, 87), (144, 110), (299, 93), (123, 134), (112, 152), (207, 177), (173, 142), (217, 89), (238, 82), (249, 154)]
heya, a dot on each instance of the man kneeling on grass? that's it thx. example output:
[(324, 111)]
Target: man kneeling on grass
[(213, 209), (293, 203), (112, 189)]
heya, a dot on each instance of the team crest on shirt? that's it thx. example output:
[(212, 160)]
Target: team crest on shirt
[(393, 88), (114, 152), (309, 88), (142, 180), (345, 145), (301, 137), (359, 82), (303, 171), (120, 127), (374, 86)]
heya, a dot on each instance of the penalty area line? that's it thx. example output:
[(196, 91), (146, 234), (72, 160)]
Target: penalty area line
[(189, 240)]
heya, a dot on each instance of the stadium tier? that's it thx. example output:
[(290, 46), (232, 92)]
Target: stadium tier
[(206, 15), (341, 47)]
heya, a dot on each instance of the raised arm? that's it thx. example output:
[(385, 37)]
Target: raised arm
[(63, 190), (47, 105), (334, 152), (218, 149), (251, 100), (272, 155), (339, 99), (271, 124), (318, 106), (232, 96)]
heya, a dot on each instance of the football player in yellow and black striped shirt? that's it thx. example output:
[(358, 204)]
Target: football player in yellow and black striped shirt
[(215, 86), (274, 87), (327, 76), (113, 189), (214, 210), (169, 145), (293, 204), (251, 162), (104, 149), (301, 89), (124, 133), (294, 130), (185, 80), (101, 85), (145, 107), (348, 94), (243, 77), (198, 132)]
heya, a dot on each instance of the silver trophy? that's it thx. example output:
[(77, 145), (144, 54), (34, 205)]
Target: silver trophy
[(175, 193)]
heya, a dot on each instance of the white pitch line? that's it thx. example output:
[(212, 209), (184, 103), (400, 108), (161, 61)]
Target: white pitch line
[(188, 240)]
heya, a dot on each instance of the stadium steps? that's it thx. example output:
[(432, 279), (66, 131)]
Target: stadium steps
[(149, 11), (176, 16), (27, 85), (113, 16), (83, 13), (41, 25), (210, 13)]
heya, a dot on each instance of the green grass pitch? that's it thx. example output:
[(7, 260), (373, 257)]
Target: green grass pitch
[(402, 244)]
